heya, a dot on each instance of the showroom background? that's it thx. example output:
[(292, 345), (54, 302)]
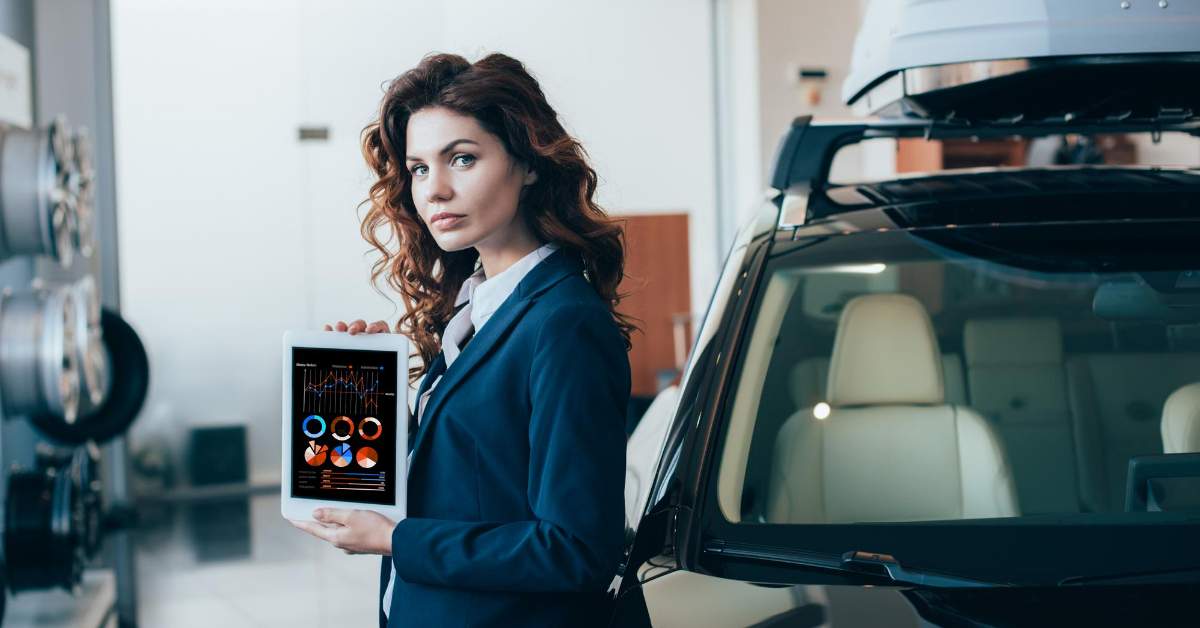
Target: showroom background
[(232, 228)]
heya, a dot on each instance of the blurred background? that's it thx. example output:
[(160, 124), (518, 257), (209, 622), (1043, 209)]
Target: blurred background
[(220, 207)]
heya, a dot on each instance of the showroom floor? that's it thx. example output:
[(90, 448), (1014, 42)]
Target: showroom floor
[(240, 564)]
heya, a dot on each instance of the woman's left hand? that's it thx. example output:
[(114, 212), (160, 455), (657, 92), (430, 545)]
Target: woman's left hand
[(352, 531)]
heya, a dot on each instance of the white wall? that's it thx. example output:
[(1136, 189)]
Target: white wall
[(801, 34), (1172, 149), (212, 215), (740, 161), (232, 231), (632, 80), (770, 40)]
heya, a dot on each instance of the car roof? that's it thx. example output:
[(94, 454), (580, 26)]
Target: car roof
[(1015, 182), (994, 196)]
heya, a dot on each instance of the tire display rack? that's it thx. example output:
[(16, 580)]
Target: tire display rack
[(73, 372)]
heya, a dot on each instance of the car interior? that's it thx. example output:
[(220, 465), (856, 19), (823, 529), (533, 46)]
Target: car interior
[(930, 390)]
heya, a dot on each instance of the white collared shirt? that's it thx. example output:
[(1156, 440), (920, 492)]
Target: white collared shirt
[(482, 296)]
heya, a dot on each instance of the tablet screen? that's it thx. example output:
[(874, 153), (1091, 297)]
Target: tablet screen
[(344, 425)]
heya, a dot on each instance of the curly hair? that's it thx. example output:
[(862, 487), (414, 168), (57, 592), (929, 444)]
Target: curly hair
[(507, 101)]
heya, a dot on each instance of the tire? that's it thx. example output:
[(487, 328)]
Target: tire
[(129, 382)]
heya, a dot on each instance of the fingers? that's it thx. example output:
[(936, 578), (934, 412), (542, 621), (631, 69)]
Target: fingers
[(340, 516), (360, 327), (322, 532), (352, 531)]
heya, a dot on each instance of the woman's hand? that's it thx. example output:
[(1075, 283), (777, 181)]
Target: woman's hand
[(360, 327), (352, 531)]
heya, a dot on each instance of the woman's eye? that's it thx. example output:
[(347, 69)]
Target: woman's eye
[(418, 170), (463, 159)]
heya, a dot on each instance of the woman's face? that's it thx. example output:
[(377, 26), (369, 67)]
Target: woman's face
[(465, 185)]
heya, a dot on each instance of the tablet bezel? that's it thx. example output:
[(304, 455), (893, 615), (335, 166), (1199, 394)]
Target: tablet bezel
[(301, 508)]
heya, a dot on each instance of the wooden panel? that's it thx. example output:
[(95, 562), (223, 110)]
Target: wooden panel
[(918, 155), (1117, 149), (967, 153), (657, 282)]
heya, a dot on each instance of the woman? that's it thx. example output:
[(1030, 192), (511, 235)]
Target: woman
[(507, 265)]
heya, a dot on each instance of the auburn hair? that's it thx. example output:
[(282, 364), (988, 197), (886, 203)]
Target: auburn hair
[(558, 207)]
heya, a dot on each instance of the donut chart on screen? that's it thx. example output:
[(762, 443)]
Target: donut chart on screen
[(342, 428), (370, 428), (313, 426)]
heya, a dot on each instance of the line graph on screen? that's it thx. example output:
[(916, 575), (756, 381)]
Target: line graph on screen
[(344, 390)]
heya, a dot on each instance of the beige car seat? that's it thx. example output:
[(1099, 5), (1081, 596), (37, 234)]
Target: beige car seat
[(1181, 421), (891, 449), (1018, 380)]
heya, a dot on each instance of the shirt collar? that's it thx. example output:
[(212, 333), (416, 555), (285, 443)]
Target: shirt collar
[(486, 294)]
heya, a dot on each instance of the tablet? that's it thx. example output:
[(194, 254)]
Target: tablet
[(344, 443)]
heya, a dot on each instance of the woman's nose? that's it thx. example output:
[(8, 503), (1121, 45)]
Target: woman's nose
[(438, 187)]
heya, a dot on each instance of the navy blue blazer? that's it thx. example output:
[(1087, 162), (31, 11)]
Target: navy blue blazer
[(516, 488)]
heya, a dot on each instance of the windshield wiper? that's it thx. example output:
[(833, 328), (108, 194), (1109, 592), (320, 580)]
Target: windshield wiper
[(860, 563), (1150, 576)]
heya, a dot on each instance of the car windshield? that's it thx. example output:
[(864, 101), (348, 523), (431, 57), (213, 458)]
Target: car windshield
[(1006, 374)]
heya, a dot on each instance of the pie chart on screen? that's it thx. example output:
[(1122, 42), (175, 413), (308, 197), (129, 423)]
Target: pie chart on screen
[(341, 456), (315, 454), (366, 457)]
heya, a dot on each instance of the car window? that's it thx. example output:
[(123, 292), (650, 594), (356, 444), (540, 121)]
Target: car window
[(907, 378), (760, 224)]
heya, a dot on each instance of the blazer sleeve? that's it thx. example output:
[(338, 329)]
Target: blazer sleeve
[(579, 386)]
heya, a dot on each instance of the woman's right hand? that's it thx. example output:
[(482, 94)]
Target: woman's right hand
[(360, 327)]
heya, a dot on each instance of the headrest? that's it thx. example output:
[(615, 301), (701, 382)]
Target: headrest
[(885, 353), (809, 378), (1181, 421), (1012, 341)]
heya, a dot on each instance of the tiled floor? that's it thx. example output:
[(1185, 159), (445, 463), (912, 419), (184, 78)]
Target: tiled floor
[(240, 564)]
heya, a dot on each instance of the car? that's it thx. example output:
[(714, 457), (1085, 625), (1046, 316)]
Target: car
[(938, 384), (951, 398)]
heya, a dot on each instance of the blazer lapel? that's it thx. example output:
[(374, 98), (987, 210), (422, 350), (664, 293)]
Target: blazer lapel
[(558, 266), (436, 368)]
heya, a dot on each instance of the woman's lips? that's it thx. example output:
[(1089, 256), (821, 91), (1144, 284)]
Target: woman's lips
[(444, 220)]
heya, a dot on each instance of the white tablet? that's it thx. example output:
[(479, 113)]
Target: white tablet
[(345, 423)]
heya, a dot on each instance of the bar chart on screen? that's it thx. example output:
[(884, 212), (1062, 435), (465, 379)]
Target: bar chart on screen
[(328, 480)]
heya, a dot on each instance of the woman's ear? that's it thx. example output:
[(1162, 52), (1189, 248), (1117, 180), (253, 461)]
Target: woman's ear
[(530, 178)]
